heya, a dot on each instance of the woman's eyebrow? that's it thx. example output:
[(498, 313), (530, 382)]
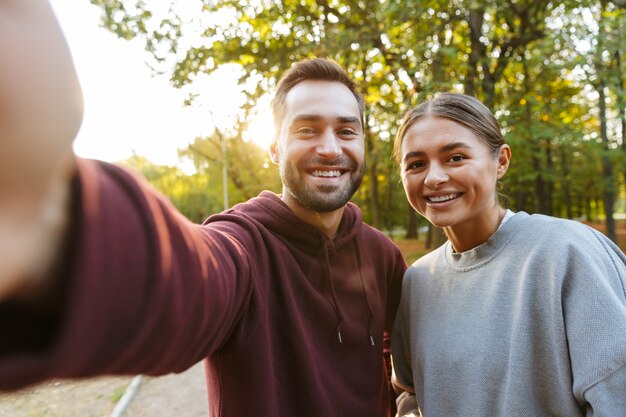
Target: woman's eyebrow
[(443, 149), (414, 154), (454, 145)]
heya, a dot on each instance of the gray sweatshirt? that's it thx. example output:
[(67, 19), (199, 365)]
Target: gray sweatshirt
[(530, 323)]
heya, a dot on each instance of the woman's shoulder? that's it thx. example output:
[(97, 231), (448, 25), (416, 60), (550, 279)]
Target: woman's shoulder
[(557, 233), (551, 226), (430, 259)]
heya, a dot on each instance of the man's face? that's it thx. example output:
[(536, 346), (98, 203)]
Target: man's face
[(320, 147)]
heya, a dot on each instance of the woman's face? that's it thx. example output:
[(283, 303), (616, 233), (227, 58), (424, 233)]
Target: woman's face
[(449, 174)]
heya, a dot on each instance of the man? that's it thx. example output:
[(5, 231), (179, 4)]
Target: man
[(289, 298)]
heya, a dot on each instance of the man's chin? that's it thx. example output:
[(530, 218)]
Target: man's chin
[(327, 203)]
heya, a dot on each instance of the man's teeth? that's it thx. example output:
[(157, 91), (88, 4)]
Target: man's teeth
[(440, 198), (330, 174)]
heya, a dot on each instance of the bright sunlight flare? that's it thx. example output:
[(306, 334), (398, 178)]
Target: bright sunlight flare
[(128, 110)]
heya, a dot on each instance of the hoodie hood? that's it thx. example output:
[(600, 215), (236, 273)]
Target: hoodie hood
[(274, 214)]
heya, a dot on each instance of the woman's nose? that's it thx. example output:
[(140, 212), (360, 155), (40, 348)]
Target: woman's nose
[(436, 175)]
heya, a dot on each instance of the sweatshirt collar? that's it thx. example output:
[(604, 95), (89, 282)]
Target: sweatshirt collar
[(483, 253)]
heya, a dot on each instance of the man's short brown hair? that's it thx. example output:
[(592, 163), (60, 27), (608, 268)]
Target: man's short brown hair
[(322, 69)]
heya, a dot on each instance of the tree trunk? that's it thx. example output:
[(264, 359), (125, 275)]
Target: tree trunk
[(374, 204), (541, 194), (621, 105), (372, 161), (478, 56), (475, 23), (567, 195), (589, 214), (411, 224), (608, 183), (541, 197), (388, 215), (549, 181), (436, 237)]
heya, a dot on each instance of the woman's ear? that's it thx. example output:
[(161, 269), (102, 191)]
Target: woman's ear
[(504, 158)]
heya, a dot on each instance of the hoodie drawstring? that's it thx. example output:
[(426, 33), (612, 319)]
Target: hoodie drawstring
[(370, 315), (334, 294)]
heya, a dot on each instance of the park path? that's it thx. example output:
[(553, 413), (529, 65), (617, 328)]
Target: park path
[(175, 395)]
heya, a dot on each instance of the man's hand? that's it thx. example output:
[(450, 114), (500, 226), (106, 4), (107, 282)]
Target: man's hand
[(40, 114), (407, 405), (32, 233)]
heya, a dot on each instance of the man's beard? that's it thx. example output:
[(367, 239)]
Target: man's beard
[(322, 198)]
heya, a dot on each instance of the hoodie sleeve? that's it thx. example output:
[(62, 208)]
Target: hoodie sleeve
[(393, 299), (149, 291)]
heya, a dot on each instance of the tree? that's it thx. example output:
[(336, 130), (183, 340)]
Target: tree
[(541, 66), (249, 172), (191, 194)]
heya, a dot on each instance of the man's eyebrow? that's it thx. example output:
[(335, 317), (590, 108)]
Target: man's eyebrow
[(306, 117), (443, 149), (316, 118), (349, 119)]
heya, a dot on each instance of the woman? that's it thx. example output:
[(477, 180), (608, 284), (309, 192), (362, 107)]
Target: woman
[(516, 314)]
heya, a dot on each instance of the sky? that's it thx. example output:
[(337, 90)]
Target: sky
[(127, 109)]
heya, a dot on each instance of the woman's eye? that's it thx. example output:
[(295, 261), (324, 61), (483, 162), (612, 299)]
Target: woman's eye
[(415, 165), (457, 158), (305, 130)]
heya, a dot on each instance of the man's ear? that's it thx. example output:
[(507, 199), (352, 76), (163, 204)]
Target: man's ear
[(274, 152)]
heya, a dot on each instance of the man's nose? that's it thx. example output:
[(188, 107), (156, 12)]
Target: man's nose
[(329, 146)]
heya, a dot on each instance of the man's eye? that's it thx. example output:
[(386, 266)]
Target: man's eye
[(457, 158), (347, 132), (305, 130)]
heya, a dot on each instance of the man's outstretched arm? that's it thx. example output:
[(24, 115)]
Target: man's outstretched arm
[(99, 274), (40, 114)]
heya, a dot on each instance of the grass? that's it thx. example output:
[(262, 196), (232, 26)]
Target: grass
[(412, 249), (117, 394)]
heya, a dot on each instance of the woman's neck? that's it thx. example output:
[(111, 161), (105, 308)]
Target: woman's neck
[(468, 235)]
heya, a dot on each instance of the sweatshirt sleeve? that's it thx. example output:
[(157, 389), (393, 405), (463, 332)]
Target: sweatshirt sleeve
[(149, 291), (594, 298)]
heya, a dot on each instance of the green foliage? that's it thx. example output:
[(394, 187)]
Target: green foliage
[(249, 168), (540, 65), (191, 194), (117, 394), (197, 195)]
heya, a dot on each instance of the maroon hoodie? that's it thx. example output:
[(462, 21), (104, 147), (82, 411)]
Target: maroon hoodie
[(289, 321)]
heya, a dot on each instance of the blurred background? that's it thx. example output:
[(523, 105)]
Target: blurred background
[(180, 90)]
